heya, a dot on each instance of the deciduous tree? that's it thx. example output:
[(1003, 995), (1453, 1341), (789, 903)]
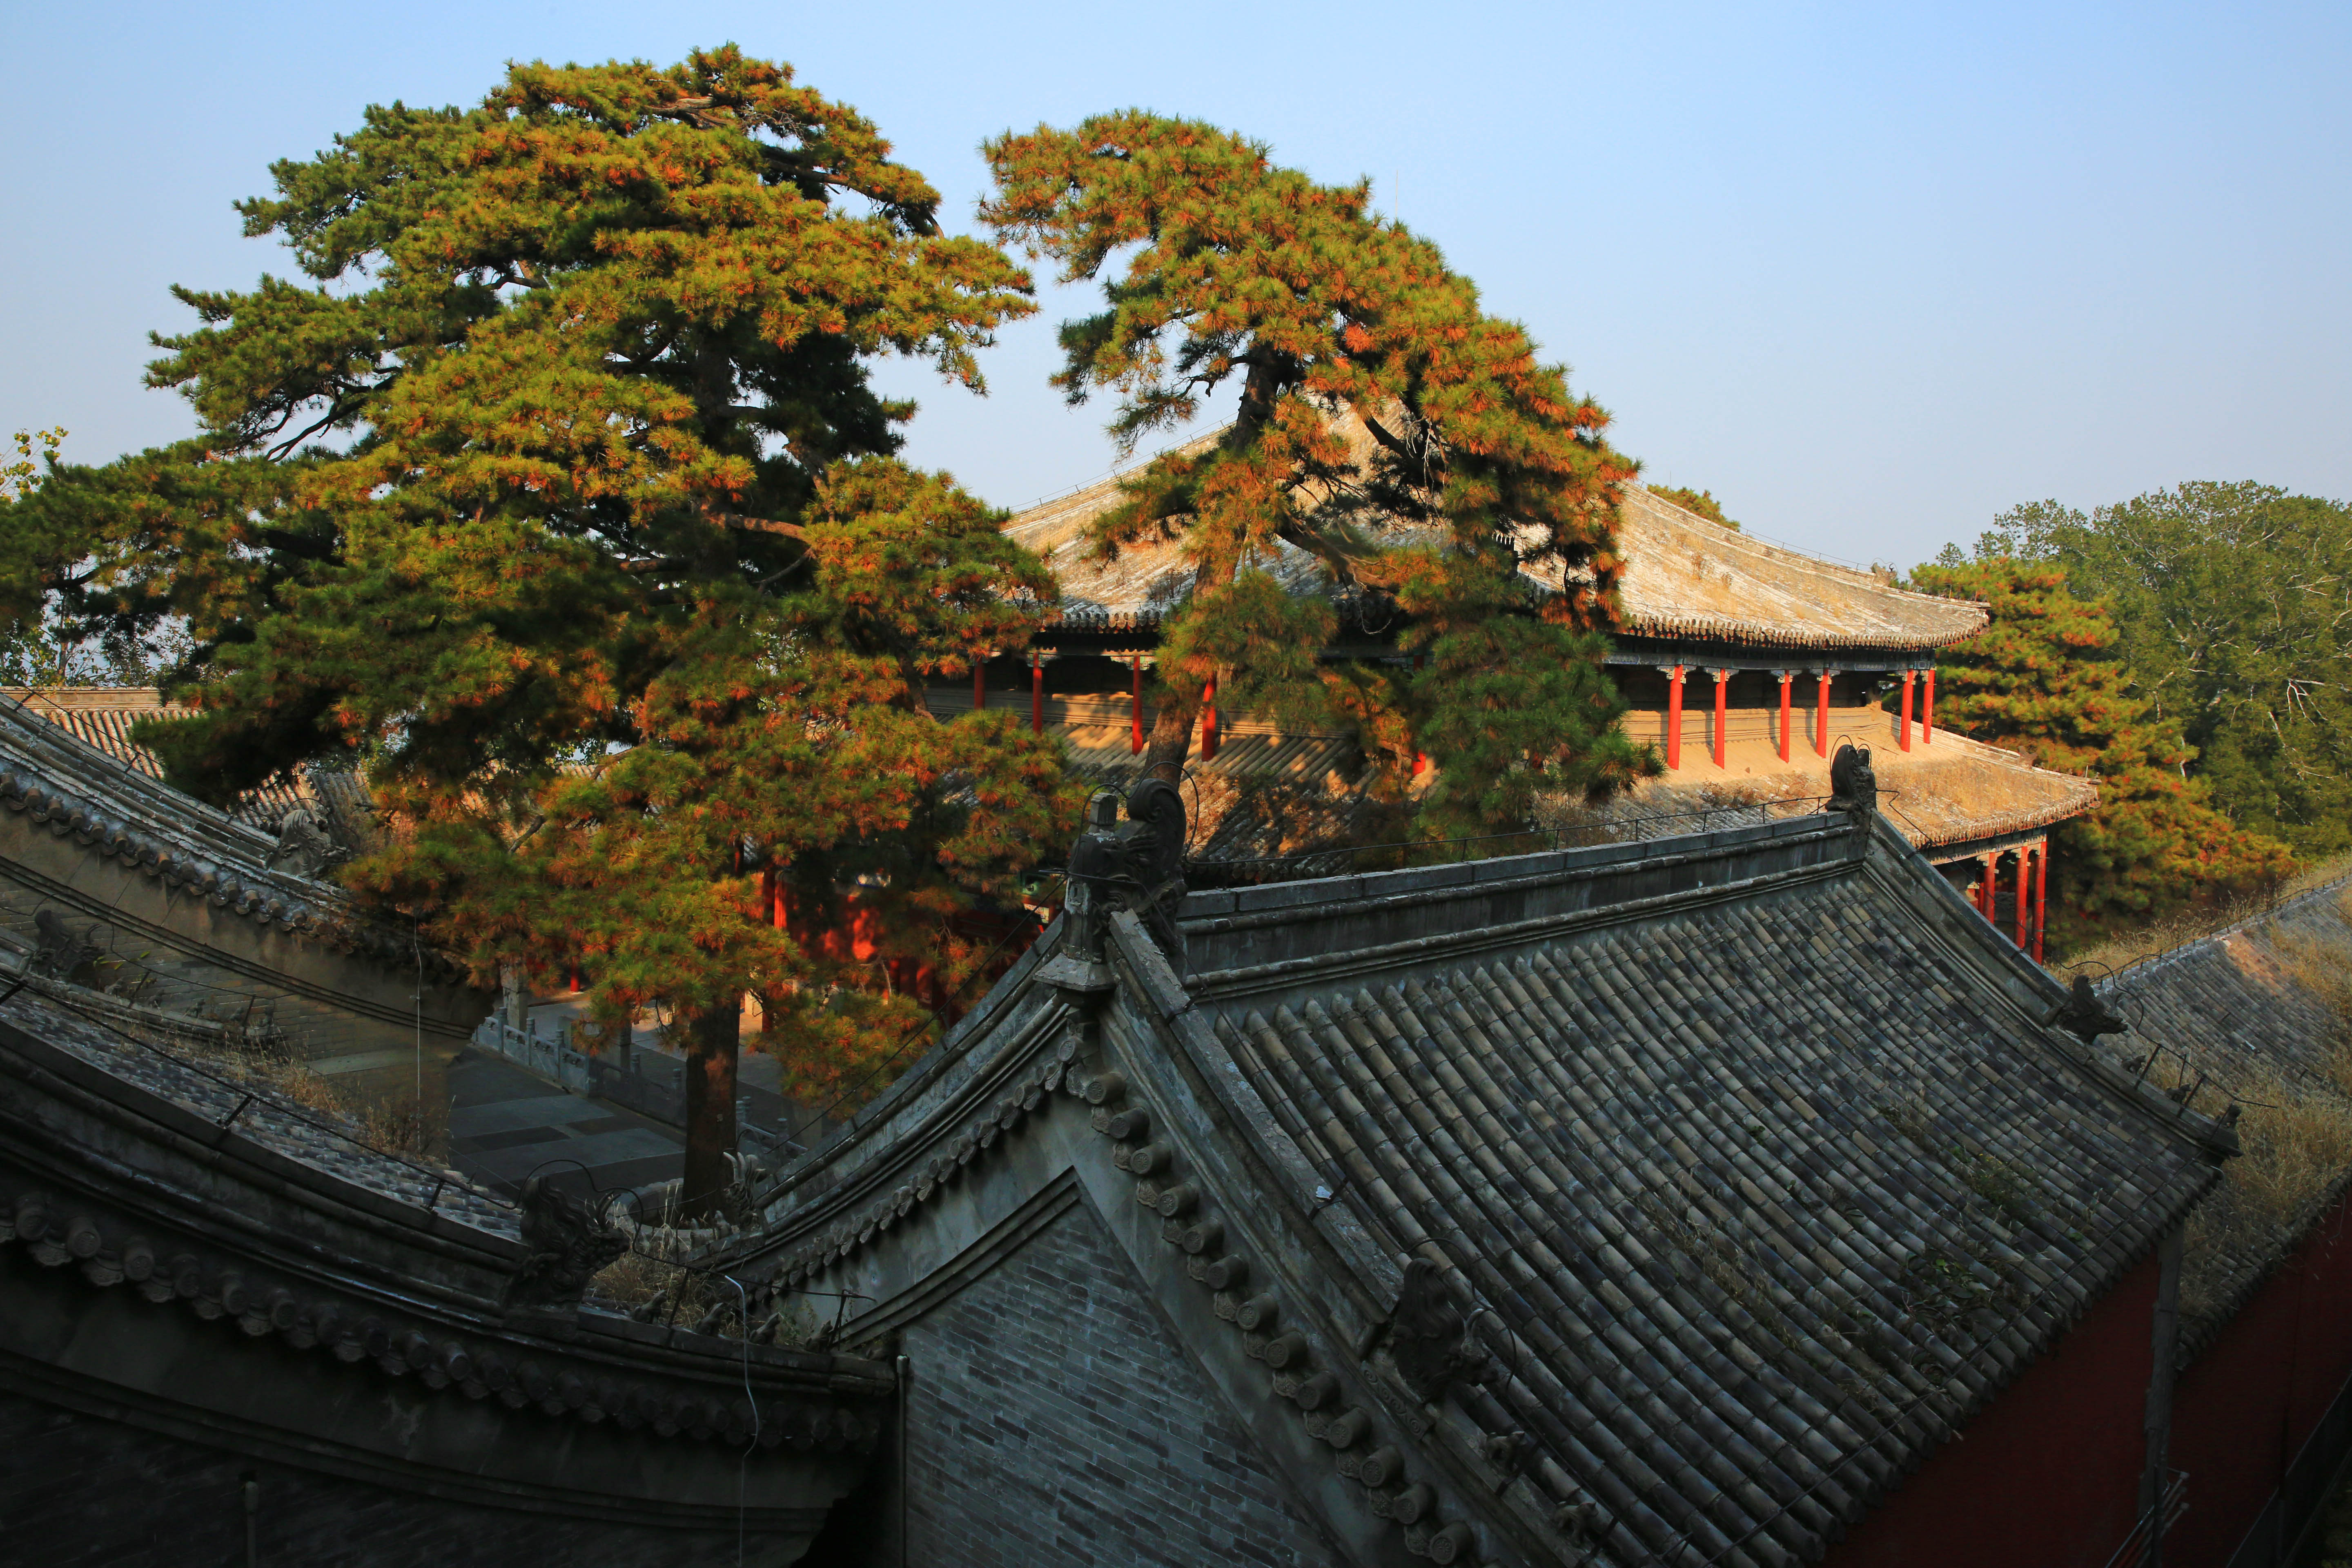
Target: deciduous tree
[(2234, 603), (1477, 464)]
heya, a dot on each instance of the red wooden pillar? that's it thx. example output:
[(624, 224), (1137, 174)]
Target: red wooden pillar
[(774, 891), (1134, 706), (1209, 721), (1908, 677), (1675, 717), (1821, 713), (2041, 896), (2025, 887), (1037, 693), (1927, 705), (1986, 886), (1786, 676), (1722, 685)]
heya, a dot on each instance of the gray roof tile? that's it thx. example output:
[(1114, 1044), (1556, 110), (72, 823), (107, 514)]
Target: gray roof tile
[(1760, 1199)]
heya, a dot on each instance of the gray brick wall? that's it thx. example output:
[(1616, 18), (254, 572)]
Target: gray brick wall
[(79, 1492), (1056, 1421)]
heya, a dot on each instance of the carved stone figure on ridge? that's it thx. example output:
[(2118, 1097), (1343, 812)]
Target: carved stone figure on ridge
[(1429, 1333), (304, 847), (570, 1239), (2084, 1014), (1155, 860), (56, 952), (1853, 786), (1137, 866), (1097, 860)]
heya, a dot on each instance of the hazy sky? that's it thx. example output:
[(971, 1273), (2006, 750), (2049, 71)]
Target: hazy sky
[(1871, 274)]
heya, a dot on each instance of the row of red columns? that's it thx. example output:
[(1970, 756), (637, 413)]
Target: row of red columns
[(1674, 677), (1134, 702), (1036, 688), (1675, 673), (2032, 892)]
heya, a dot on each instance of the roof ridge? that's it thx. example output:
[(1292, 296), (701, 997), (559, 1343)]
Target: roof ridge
[(1862, 576)]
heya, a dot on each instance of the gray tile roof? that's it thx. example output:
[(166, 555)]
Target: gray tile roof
[(1748, 1156), (2255, 1014), (102, 716), (1760, 1198)]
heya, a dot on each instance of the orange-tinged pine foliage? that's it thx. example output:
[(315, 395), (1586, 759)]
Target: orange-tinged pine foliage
[(1479, 463), (2042, 679), (561, 497)]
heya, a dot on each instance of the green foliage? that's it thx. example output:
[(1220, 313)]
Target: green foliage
[(2235, 605), (1702, 502), (560, 495), (23, 476), (37, 646), (2232, 600), (2043, 680), (1387, 428)]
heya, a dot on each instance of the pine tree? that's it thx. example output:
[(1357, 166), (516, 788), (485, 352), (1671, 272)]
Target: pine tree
[(561, 499), (1476, 460), (2043, 679)]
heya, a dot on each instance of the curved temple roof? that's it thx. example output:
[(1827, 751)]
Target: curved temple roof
[(187, 1252), (1689, 579), (1686, 579), (1749, 1166)]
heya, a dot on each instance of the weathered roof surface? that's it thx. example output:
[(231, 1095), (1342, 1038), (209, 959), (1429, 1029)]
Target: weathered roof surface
[(101, 716), (2254, 1014), (1143, 582), (1948, 792), (224, 1094), (116, 809), (1690, 579), (1763, 1196), (1754, 1166), (154, 1195), (1685, 579)]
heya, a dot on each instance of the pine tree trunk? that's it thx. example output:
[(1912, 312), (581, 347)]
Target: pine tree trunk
[(712, 1042), (1171, 738), (1171, 730)]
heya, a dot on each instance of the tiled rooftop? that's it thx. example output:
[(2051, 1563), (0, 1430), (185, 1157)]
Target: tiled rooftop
[(1689, 579), (2255, 1014), (1760, 1195), (1684, 578), (101, 716), (1748, 1153), (1950, 791)]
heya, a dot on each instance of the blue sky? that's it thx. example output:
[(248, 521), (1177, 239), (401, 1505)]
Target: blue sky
[(1871, 274)]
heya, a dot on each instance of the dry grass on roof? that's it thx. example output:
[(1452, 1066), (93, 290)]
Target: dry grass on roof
[(1694, 806), (2121, 950), (2294, 1126)]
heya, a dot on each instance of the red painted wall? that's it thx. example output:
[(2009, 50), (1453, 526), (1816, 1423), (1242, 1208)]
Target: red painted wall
[(2244, 1408), (2046, 1477)]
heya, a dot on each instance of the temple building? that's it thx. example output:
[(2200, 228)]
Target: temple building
[(1485, 1214), (1746, 663), (1729, 1196)]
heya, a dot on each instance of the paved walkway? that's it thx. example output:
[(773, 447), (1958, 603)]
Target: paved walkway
[(505, 1123)]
